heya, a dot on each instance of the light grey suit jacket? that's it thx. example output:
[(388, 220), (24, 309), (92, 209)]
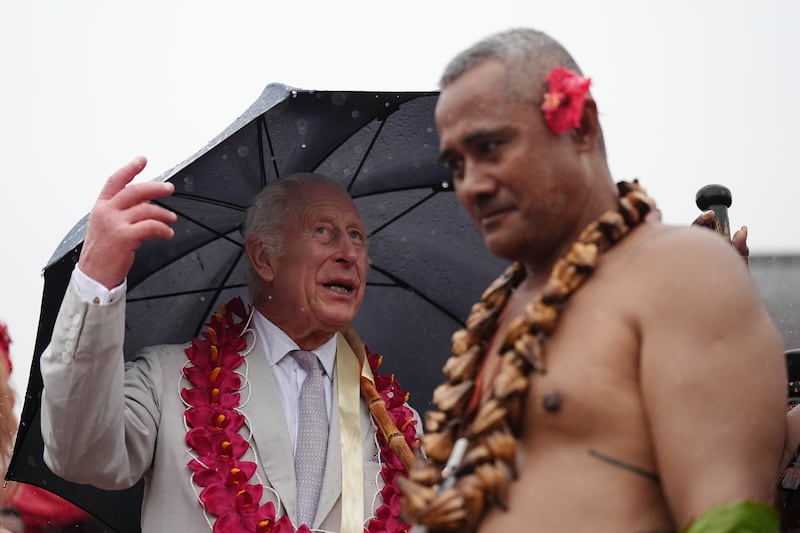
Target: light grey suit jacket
[(110, 424)]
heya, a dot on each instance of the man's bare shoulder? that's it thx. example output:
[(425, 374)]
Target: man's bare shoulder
[(657, 242)]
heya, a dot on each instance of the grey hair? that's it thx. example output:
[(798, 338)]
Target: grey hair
[(525, 53), (267, 217)]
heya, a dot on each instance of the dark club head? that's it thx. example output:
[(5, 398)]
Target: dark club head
[(713, 195)]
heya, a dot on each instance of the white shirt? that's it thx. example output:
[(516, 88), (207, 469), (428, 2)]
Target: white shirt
[(289, 375)]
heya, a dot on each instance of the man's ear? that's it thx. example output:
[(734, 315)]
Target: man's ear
[(587, 134), (263, 263)]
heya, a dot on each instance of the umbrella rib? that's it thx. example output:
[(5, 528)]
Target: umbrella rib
[(368, 150), (217, 290), (402, 213), (260, 136), (272, 156), (185, 293), (198, 223), (400, 283), (204, 200)]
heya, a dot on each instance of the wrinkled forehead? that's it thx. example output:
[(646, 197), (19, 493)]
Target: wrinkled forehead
[(320, 200)]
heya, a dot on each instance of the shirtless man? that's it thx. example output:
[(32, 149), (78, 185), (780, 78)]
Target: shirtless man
[(657, 391)]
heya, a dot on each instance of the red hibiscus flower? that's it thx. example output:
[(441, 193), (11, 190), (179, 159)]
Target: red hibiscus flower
[(564, 99)]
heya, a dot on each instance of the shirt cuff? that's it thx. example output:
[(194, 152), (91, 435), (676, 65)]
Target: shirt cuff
[(95, 292)]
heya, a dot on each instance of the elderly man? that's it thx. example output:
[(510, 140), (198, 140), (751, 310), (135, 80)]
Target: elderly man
[(622, 375), (260, 421)]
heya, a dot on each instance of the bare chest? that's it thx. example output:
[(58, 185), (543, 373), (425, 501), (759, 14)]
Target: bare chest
[(590, 381)]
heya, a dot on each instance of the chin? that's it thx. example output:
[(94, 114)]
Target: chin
[(503, 248)]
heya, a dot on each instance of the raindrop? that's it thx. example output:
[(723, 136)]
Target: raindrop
[(243, 151), (355, 113), (188, 183), (294, 94), (338, 98), (224, 157), (445, 185), (430, 130), (302, 126), (303, 145), (202, 298), (386, 104)]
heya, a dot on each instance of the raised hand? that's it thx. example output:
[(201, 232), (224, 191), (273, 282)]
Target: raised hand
[(120, 221), (738, 240)]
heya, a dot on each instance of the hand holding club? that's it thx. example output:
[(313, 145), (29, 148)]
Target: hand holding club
[(715, 200)]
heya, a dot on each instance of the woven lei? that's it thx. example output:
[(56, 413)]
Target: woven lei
[(215, 426)]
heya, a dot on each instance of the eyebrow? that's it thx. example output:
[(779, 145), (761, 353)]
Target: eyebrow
[(471, 139)]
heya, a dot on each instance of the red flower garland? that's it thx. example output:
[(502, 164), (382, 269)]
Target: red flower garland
[(564, 99), (215, 421)]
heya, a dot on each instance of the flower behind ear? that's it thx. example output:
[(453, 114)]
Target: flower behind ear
[(564, 99)]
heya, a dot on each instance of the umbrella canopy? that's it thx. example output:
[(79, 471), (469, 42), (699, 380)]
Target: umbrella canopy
[(427, 262)]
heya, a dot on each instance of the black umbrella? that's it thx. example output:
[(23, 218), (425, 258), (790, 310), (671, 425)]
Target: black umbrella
[(427, 262)]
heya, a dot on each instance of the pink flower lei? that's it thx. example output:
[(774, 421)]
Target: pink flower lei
[(214, 422)]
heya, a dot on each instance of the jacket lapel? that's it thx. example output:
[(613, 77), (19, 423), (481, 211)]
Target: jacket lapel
[(270, 434), (332, 480)]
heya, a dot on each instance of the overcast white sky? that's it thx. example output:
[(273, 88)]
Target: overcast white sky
[(691, 92)]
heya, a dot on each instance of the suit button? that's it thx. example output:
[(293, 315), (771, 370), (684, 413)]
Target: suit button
[(68, 345), (76, 319)]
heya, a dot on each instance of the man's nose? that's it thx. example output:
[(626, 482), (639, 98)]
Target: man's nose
[(475, 184), (348, 251)]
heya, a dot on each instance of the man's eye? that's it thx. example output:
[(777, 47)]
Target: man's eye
[(357, 235), (488, 147), (321, 230), (455, 166)]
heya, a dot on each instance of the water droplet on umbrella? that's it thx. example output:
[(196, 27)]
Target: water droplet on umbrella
[(338, 98), (303, 145), (294, 94), (243, 151), (355, 113), (188, 183), (445, 185)]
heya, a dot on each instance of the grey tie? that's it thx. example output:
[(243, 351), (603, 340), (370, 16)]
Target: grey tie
[(312, 437)]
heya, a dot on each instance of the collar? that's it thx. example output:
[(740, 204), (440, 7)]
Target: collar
[(277, 344)]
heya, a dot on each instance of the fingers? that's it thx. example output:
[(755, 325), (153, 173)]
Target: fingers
[(117, 181), (146, 213), (705, 219), (739, 242), (139, 194)]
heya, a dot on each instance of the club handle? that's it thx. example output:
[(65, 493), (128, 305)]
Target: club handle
[(718, 199)]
